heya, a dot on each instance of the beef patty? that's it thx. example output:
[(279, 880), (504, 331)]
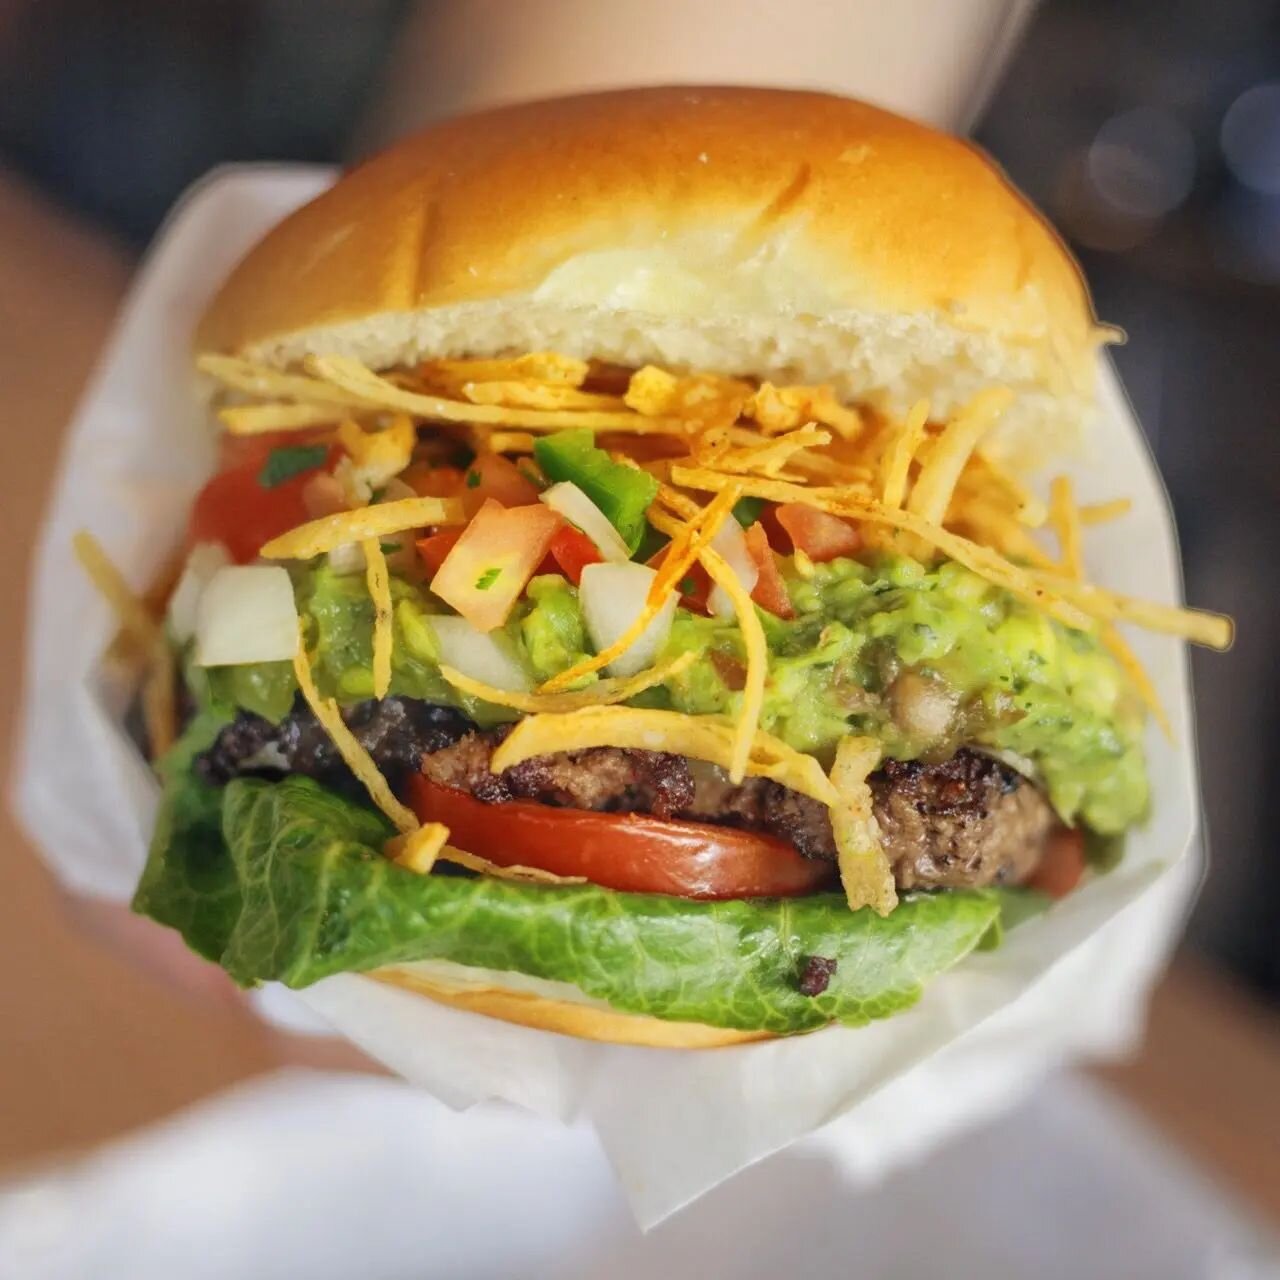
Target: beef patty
[(962, 823), (396, 732)]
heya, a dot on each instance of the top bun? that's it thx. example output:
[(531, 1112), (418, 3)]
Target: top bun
[(793, 236)]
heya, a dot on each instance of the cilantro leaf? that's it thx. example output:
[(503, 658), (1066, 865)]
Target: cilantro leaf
[(287, 461)]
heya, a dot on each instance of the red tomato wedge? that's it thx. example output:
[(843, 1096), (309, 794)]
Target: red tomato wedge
[(487, 567), (770, 591), (1062, 865), (630, 852), (491, 476), (234, 508), (820, 535), (572, 551)]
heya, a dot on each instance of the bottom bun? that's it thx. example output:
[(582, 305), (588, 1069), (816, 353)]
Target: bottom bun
[(587, 1021)]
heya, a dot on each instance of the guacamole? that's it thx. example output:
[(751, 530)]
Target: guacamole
[(997, 673)]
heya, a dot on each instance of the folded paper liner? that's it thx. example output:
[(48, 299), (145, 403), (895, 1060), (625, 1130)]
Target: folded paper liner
[(673, 1123)]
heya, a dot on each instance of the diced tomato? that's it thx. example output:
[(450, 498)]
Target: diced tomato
[(572, 551), (630, 852), (433, 482), (732, 671), (779, 538), (770, 591), (1062, 865), (491, 476), (236, 509), (695, 586), (434, 549), (243, 451), (487, 568), (323, 495), (820, 535)]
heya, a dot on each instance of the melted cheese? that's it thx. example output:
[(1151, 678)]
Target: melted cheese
[(417, 850)]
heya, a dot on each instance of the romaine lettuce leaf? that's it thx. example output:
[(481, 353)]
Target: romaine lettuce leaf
[(285, 881), (189, 882)]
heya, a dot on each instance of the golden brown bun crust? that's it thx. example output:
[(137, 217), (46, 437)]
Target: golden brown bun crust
[(855, 209), (584, 1021)]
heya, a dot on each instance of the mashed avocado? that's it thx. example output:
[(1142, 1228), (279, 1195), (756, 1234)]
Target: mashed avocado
[(995, 672), (921, 658)]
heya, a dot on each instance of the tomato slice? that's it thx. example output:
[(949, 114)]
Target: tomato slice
[(770, 591), (630, 852), (491, 476), (572, 550), (496, 554), (819, 534), (1062, 865), (234, 508)]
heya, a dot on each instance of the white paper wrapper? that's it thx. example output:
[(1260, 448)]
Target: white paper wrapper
[(673, 1123)]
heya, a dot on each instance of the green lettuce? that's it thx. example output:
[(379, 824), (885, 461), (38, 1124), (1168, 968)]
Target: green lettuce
[(189, 882), (286, 882)]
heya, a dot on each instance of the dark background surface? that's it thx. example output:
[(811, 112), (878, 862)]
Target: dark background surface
[(1150, 132)]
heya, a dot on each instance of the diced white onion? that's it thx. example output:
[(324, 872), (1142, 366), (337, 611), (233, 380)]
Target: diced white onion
[(205, 559), (578, 509), (731, 543), (1018, 763), (612, 597), (478, 654), (356, 490), (246, 614), (922, 706), (347, 558), (395, 489)]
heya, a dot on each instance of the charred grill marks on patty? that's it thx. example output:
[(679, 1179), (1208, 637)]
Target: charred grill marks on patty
[(967, 821), (396, 732), (962, 823), (606, 779)]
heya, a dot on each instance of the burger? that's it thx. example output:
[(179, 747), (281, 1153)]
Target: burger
[(622, 606)]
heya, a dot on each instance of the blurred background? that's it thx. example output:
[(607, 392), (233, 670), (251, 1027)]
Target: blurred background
[(1149, 131)]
